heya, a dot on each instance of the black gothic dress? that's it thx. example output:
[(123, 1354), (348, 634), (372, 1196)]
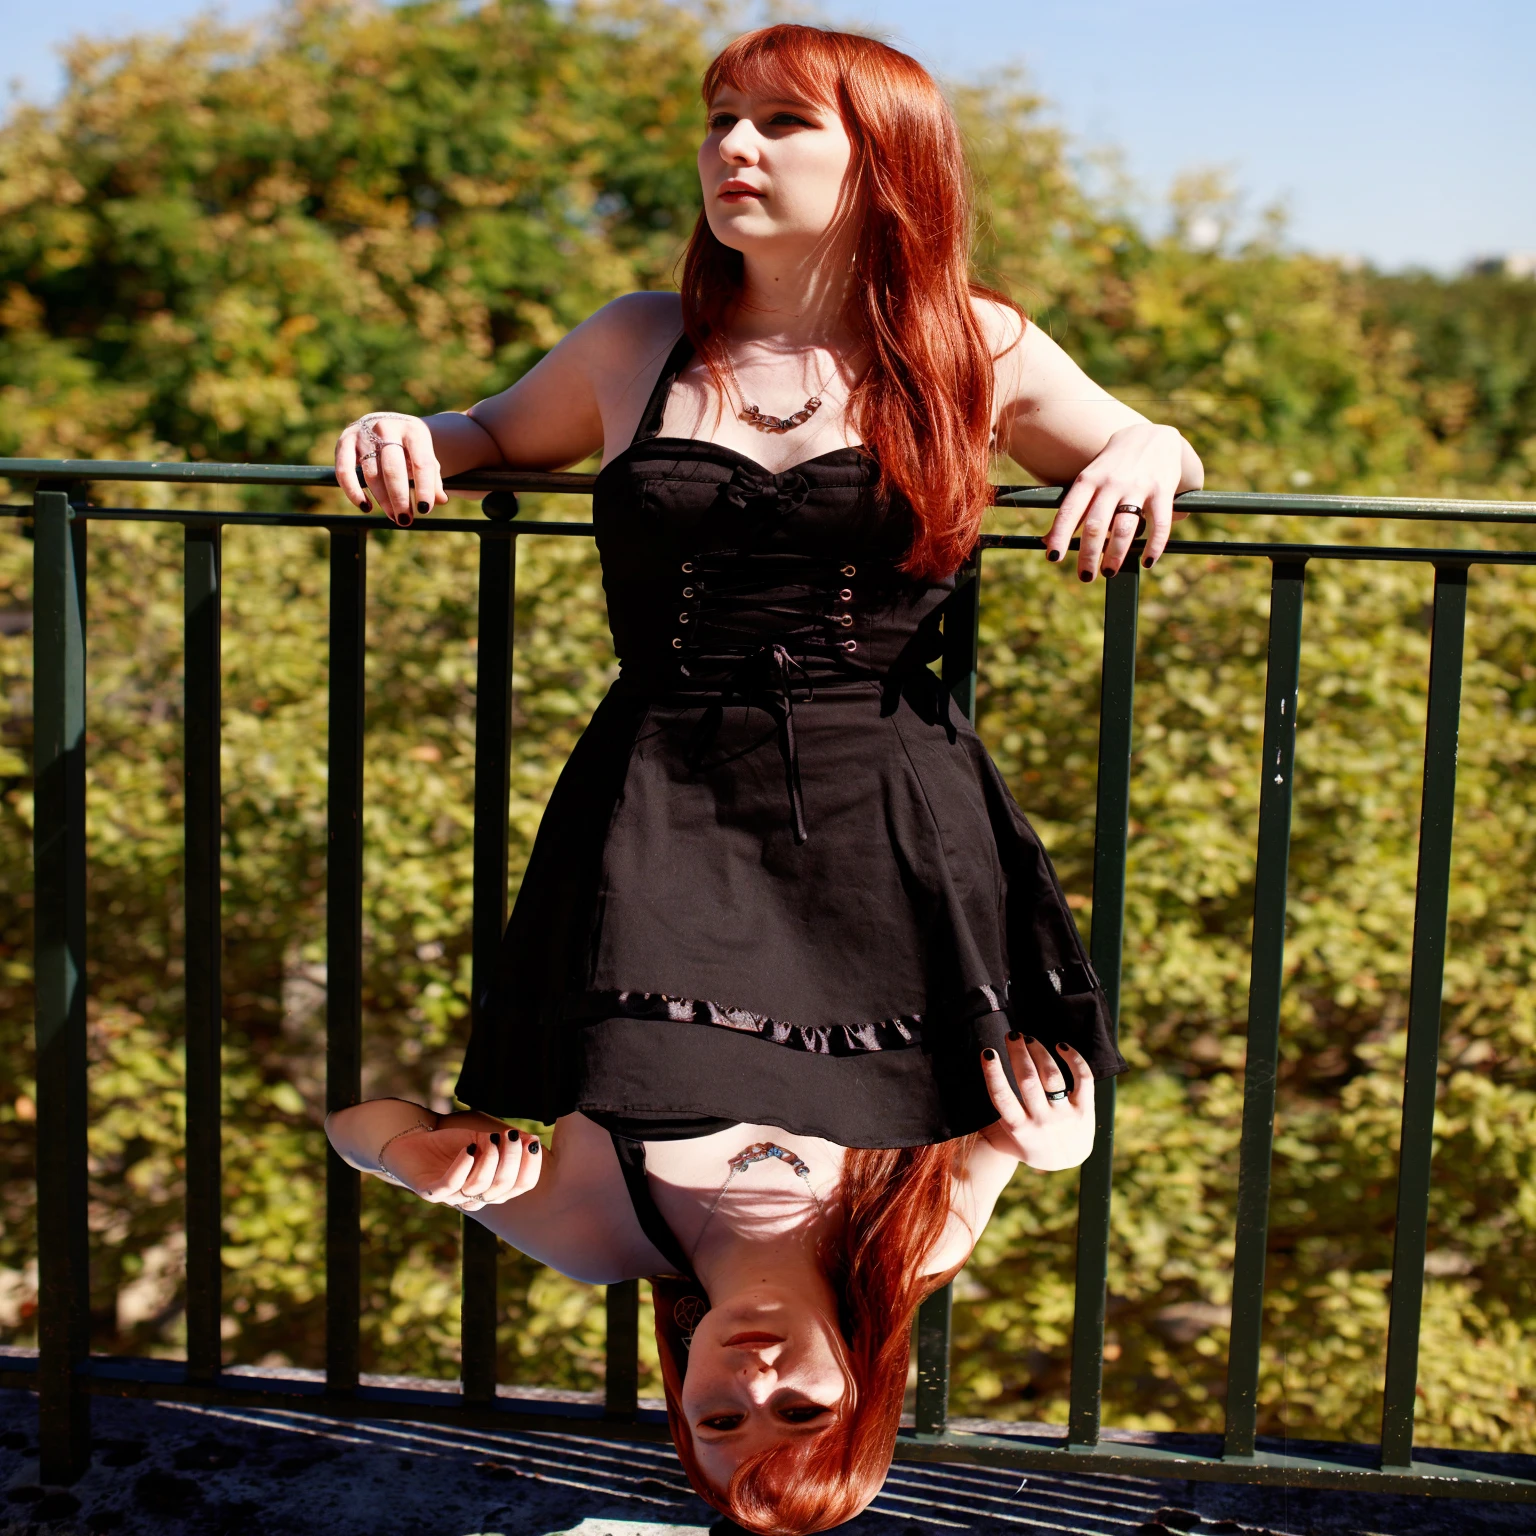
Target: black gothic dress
[(779, 880)]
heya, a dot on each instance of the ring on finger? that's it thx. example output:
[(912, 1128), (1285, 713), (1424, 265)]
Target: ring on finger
[(1128, 506), (1056, 1096)]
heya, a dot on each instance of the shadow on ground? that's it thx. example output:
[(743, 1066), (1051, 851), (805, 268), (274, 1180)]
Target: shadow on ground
[(163, 1469)]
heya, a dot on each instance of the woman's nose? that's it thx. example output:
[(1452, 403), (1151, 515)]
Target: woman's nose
[(759, 1380), (739, 146)]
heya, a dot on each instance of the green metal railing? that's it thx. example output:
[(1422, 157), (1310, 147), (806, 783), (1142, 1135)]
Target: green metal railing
[(66, 1374)]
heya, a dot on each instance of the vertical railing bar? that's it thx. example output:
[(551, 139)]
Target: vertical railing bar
[(344, 950), (933, 1339), (1266, 980), (957, 666), (1430, 920), (1111, 837), (493, 775), (202, 822), (63, 1238), (621, 1383)]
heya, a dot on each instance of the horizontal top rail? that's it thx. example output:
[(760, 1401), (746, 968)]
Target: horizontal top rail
[(320, 476)]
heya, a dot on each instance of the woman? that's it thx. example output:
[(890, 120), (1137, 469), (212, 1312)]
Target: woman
[(781, 898)]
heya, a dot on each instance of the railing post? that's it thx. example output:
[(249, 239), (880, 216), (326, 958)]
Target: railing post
[(933, 1336), (344, 950), (621, 1354), (63, 1239), (1111, 832), (205, 1011), (957, 665), (1266, 981), (493, 773), (1437, 813)]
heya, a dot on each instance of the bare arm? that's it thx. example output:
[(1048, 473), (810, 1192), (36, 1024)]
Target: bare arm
[(557, 414), (1066, 430), (565, 1207), (1047, 1133)]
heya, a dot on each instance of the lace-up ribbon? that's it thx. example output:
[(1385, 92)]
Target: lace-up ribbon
[(764, 630)]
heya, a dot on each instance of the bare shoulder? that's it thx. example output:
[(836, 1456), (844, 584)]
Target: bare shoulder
[(636, 323), (1002, 325)]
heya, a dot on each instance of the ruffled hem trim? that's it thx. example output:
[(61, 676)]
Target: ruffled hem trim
[(896, 1033)]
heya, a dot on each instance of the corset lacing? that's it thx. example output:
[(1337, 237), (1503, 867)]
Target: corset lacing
[(764, 630)]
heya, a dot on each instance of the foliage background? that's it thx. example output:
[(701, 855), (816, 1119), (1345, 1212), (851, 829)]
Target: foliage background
[(225, 245)]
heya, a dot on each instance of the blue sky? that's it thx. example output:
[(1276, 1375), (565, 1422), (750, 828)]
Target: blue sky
[(1394, 130)]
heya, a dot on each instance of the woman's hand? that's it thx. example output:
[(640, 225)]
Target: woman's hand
[(392, 456), (1140, 470), (466, 1161), (1040, 1132)]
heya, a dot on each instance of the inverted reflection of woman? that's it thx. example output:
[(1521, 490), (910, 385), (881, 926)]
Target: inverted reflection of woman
[(784, 931)]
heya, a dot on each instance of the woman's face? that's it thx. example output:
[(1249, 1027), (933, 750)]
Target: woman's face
[(762, 1370), (773, 170)]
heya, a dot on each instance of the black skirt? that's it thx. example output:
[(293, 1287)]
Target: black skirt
[(779, 880)]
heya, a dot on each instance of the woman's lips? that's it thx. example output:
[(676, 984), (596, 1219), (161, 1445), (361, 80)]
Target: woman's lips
[(754, 1338), (732, 191)]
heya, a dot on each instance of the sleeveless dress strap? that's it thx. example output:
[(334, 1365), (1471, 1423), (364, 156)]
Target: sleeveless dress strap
[(655, 407), (631, 1156)]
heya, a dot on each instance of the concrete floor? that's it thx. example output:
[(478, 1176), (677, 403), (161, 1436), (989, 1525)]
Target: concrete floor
[(177, 1470)]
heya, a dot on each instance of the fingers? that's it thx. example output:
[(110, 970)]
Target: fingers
[(1051, 1077), (429, 473), (530, 1165), (485, 1160), (394, 472), (1026, 1073), (1122, 532), (447, 1187), (1070, 513), (352, 485), (1160, 520), (1004, 1100), (1095, 530), (1081, 1096)]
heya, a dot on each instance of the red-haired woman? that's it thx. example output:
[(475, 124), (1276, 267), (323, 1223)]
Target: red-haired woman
[(788, 969)]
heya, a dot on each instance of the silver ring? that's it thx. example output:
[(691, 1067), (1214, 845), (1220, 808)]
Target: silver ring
[(1057, 1096), (364, 456)]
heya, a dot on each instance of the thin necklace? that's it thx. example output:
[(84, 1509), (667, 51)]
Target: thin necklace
[(765, 423), (761, 1151)]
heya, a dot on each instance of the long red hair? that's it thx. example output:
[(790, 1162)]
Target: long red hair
[(895, 1204), (924, 406)]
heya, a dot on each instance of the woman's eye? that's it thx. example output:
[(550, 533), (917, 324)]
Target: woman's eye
[(723, 1421), (804, 1414), (788, 119), (720, 120)]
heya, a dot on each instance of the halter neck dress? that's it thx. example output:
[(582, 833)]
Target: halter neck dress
[(779, 879)]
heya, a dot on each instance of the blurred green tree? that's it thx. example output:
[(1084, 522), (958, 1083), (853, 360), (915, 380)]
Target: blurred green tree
[(225, 245)]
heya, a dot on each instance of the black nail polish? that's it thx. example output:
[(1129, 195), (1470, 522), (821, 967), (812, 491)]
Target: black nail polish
[(406, 519), (989, 1054), (534, 1148), (495, 1138), (1029, 1039), (422, 509), (1013, 1034), (1109, 571), (470, 1149), (1061, 1045), (1085, 575), (1150, 561), (1053, 555)]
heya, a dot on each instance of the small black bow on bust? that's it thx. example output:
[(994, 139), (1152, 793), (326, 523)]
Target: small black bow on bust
[(753, 489)]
